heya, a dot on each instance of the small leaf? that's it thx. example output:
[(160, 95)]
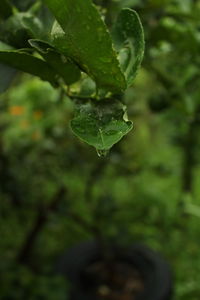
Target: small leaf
[(100, 124), (62, 66), (27, 63), (128, 37), (85, 38)]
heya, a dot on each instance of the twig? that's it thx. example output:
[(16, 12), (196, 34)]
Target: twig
[(40, 221)]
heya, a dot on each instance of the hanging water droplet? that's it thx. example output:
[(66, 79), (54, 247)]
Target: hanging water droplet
[(102, 153)]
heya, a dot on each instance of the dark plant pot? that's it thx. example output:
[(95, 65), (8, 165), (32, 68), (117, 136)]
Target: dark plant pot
[(154, 270)]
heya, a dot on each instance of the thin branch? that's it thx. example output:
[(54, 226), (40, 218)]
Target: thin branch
[(84, 224), (40, 222)]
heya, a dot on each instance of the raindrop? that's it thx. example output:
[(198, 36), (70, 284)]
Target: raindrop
[(102, 153)]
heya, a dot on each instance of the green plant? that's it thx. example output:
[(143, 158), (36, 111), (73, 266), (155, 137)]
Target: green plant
[(75, 52), (148, 189)]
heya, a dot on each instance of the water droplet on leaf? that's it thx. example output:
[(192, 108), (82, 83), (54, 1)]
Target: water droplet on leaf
[(102, 153)]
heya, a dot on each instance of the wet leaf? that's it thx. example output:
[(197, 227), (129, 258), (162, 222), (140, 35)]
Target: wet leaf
[(82, 35), (128, 37), (100, 124)]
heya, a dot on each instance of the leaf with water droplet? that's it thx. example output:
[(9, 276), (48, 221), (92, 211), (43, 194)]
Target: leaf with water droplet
[(128, 37), (100, 124), (102, 153), (84, 37)]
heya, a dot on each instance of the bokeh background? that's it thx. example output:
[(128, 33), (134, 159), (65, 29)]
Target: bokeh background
[(55, 191)]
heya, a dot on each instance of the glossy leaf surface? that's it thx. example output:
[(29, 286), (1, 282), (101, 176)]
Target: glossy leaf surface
[(100, 124), (85, 38)]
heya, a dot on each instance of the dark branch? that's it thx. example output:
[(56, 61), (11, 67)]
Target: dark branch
[(40, 222)]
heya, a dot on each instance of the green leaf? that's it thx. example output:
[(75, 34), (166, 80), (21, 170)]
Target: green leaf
[(5, 9), (128, 37), (27, 63), (85, 38), (100, 124), (62, 66)]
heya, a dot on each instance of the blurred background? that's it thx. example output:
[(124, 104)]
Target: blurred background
[(55, 191)]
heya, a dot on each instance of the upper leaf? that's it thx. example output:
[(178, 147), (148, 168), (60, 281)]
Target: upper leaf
[(85, 38), (128, 37)]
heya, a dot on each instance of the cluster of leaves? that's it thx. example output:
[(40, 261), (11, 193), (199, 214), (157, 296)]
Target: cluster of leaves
[(75, 47)]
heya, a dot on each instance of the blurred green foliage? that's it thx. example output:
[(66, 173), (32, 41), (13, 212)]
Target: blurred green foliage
[(146, 190)]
